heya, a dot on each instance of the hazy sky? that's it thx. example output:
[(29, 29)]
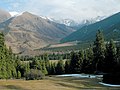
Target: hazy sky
[(73, 9)]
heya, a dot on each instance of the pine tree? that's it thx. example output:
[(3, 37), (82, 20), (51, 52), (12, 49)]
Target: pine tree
[(76, 62), (44, 70), (73, 61), (117, 66), (67, 67), (87, 62), (60, 67), (34, 64), (19, 75), (99, 51), (110, 57), (118, 54), (53, 70)]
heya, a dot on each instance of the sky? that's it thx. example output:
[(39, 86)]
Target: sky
[(64, 9)]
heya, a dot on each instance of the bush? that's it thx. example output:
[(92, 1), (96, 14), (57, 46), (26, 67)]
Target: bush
[(34, 74), (18, 75)]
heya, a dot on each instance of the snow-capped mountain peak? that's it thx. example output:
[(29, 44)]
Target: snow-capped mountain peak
[(14, 14)]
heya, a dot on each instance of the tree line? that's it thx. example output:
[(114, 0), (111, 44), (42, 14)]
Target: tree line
[(101, 57)]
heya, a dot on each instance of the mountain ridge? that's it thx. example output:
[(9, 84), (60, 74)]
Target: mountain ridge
[(29, 32), (87, 33)]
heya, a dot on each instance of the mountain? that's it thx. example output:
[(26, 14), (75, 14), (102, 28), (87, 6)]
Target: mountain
[(77, 24), (29, 32), (67, 22), (13, 14), (110, 27), (4, 15)]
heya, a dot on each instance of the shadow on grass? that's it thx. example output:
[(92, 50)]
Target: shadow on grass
[(87, 87), (70, 86), (13, 87)]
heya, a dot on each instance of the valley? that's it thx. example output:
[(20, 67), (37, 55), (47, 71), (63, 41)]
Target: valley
[(44, 53)]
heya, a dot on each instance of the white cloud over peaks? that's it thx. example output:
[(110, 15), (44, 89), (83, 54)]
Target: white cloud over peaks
[(74, 9)]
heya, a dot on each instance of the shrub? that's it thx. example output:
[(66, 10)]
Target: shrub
[(34, 74)]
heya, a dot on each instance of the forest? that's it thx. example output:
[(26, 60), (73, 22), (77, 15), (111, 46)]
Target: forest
[(102, 57)]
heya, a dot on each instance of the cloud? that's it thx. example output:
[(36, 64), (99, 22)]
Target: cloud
[(74, 9)]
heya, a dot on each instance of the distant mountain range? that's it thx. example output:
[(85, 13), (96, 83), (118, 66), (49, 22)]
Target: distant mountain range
[(26, 31), (77, 24), (110, 27), (29, 32)]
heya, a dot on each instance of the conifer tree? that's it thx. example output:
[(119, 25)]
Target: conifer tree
[(87, 62), (60, 67), (110, 57), (99, 51), (118, 60), (67, 66), (44, 70), (19, 75), (7, 67), (75, 63), (53, 70)]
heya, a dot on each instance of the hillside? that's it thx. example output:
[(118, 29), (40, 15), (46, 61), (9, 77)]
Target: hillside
[(110, 27), (29, 32)]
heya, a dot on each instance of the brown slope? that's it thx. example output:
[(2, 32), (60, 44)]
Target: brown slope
[(29, 32)]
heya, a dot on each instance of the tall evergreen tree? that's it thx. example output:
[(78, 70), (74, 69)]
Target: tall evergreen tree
[(67, 66), (73, 61), (53, 70), (44, 70), (110, 57), (99, 51), (117, 67), (76, 62), (88, 60), (60, 67), (7, 67)]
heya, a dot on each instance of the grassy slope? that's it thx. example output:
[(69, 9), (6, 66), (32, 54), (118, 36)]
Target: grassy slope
[(53, 83), (87, 33), (78, 46)]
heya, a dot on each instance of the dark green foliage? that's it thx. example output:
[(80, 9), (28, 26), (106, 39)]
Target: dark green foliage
[(87, 66), (34, 64), (7, 65), (60, 67), (34, 74), (1, 40), (22, 69), (76, 62), (40, 65), (67, 67), (99, 52), (117, 66), (53, 70), (110, 59), (44, 70), (18, 75)]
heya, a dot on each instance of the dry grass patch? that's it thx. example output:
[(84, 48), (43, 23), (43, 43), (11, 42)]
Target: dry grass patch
[(31, 85), (54, 83)]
